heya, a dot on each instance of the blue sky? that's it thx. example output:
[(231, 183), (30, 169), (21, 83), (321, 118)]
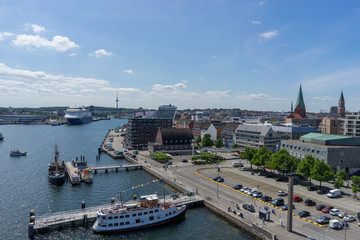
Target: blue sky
[(204, 54)]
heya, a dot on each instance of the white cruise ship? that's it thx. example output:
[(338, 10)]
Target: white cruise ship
[(77, 116), (146, 212)]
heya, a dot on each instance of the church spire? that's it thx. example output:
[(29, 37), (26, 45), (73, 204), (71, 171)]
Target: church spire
[(341, 105), (300, 105)]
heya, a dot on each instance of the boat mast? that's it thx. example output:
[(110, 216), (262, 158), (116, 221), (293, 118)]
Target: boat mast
[(56, 159), (121, 200)]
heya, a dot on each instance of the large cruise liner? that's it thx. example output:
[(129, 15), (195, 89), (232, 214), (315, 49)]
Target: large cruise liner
[(147, 212), (78, 115)]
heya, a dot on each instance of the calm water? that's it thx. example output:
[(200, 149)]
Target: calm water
[(24, 185)]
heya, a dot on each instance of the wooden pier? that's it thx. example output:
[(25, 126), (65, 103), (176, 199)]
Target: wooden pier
[(116, 167), (84, 216), (73, 173)]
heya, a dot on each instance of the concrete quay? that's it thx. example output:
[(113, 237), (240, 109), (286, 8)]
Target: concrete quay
[(219, 197), (116, 167), (73, 173)]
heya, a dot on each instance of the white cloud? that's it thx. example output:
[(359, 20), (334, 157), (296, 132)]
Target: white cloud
[(129, 71), (59, 43), (34, 27), (180, 85), (254, 70), (219, 93), (100, 52), (214, 57), (161, 87), (255, 22), (200, 78), (324, 98), (73, 54), (268, 35), (3, 35), (262, 3)]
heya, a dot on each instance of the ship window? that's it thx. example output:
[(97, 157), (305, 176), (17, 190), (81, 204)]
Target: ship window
[(134, 215), (151, 212), (110, 225), (151, 218), (121, 223), (145, 213), (116, 224), (127, 216), (127, 223), (139, 214), (174, 212), (121, 216), (170, 213), (116, 217), (109, 217), (103, 225), (98, 217), (99, 224), (137, 220), (156, 210), (103, 217), (166, 215)]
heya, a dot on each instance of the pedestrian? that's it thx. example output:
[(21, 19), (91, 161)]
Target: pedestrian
[(263, 222)]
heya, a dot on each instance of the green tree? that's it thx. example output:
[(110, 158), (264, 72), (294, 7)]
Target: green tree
[(219, 143), (290, 164), (356, 182), (338, 183), (206, 141), (198, 140), (261, 157), (235, 145), (341, 176), (321, 171), (248, 154), (278, 160), (305, 165)]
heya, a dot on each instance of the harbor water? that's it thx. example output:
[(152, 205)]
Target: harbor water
[(24, 185)]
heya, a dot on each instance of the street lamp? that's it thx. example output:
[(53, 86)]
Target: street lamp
[(193, 146), (290, 203)]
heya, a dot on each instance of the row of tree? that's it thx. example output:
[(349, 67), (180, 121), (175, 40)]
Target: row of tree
[(309, 167), (207, 142)]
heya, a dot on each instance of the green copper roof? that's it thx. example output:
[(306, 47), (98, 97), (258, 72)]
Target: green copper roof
[(331, 139), (300, 99)]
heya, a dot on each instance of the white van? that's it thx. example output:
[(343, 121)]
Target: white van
[(334, 224), (334, 193), (237, 164)]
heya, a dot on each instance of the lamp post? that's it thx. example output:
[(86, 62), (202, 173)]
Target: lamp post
[(193, 146), (290, 203)]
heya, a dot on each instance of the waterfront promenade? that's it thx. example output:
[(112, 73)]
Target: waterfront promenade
[(219, 197)]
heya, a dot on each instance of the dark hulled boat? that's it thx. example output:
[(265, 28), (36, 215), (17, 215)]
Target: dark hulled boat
[(57, 171)]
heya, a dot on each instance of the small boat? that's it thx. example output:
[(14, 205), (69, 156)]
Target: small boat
[(56, 172), (143, 213), (86, 176), (1, 137), (17, 153)]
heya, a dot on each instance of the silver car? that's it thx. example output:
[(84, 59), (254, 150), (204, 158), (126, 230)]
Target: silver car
[(349, 218), (257, 194), (281, 193), (342, 214)]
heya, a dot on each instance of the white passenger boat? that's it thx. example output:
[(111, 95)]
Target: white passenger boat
[(143, 213), (17, 153)]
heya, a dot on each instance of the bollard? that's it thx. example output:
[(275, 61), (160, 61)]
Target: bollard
[(31, 232), (116, 169), (82, 204), (106, 170), (112, 201), (85, 220), (32, 213), (32, 219)]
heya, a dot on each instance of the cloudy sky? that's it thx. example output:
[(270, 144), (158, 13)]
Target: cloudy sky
[(193, 54)]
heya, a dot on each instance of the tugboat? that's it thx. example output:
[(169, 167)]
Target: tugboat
[(17, 153), (142, 213), (86, 176), (56, 170)]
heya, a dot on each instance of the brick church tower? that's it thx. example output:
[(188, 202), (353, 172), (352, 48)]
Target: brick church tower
[(341, 106)]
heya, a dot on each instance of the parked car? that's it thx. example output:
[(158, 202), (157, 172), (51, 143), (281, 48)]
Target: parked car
[(281, 193), (244, 189), (237, 187), (261, 173), (309, 202), (248, 207), (266, 198), (303, 214), (349, 218), (323, 220), (311, 188), (184, 160), (286, 206), (335, 212), (327, 209), (257, 194), (220, 179), (334, 193), (168, 163), (244, 169), (254, 190), (216, 178), (297, 199), (342, 214), (237, 164), (278, 202), (320, 207), (268, 175), (280, 179), (322, 191)]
